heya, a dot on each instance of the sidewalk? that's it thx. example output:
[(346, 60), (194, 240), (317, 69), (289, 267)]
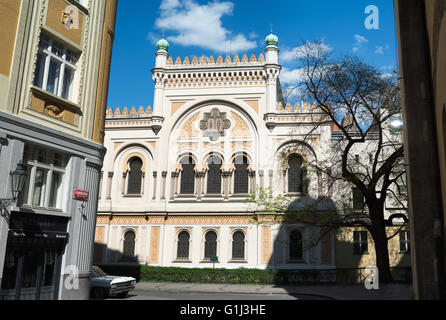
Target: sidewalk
[(331, 291)]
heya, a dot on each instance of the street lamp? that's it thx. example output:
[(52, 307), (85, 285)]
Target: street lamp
[(18, 179)]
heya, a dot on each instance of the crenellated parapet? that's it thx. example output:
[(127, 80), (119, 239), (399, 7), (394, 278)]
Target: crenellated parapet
[(299, 113), (211, 62), (133, 117)]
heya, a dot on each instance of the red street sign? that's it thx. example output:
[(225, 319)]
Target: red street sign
[(80, 194)]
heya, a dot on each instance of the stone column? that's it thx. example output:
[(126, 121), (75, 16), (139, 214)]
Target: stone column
[(163, 185), (226, 183), (109, 185), (155, 176), (261, 177), (252, 182)]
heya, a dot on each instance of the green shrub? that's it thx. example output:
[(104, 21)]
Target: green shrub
[(242, 275)]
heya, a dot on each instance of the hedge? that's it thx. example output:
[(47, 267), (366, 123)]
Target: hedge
[(243, 275)]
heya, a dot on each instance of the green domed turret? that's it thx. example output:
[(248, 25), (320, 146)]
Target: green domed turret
[(162, 45), (272, 41)]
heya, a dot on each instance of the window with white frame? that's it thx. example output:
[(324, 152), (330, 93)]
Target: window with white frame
[(46, 171), (360, 242), (404, 242), (55, 68)]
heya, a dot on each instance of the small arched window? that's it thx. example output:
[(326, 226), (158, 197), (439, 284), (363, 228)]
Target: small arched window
[(134, 182), (295, 174), (129, 244), (183, 245), (295, 245), (210, 245), (214, 164), (241, 180), (238, 245), (187, 185)]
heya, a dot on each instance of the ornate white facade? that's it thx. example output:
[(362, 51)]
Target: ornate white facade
[(211, 111)]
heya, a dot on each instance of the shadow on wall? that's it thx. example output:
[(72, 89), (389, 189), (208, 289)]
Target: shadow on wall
[(310, 248), (125, 266)]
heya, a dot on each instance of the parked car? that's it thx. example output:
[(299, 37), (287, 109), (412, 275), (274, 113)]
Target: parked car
[(103, 285)]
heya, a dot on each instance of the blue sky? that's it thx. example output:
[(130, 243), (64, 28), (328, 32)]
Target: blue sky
[(204, 27)]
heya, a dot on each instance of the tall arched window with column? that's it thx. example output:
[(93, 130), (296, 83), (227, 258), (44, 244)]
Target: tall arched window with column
[(187, 179), (295, 174), (295, 246), (129, 245), (241, 177), (134, 182), (214, 164)]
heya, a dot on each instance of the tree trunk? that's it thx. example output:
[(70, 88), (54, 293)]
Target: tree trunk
[(381, 244)]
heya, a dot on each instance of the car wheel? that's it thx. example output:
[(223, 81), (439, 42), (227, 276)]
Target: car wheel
[(99, 293), (123, 294)]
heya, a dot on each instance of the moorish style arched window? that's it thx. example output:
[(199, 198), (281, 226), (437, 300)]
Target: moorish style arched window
[(210, 245), (238, 245), (241, 179), (187, 184), (134, 182), (129, 244), (295, 245), (295, 174), (214, 164), (183, 245)]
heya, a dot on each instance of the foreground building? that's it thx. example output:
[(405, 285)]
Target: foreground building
[(176, 178), (54, 71), (421, 33)]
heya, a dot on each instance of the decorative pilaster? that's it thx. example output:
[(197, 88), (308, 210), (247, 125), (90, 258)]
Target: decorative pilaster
[(252, 181), (109, 185), (226, 183), (163, 185), (261, 174), (155, 176)]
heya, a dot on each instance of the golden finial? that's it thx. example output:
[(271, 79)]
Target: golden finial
[(271, 27), (164, 31)]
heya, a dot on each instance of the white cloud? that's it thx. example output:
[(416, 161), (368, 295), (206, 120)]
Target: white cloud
[(291, 76), (360, 40), (190, 24), (297, 52), (380, 49)]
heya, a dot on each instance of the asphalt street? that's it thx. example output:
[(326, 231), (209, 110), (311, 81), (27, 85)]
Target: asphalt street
[(148, 295)]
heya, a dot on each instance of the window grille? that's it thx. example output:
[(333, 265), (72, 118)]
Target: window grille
[(241, 179), (134, 176), (238, 245), (129, 244), (183, 245), (295, 174), (214, 175), (210, 245), (187, 184)]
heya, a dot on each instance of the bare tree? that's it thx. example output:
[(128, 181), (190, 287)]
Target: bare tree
[(359, 103)]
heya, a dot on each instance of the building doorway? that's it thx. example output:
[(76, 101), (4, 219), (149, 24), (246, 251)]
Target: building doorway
[(33, 260)]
